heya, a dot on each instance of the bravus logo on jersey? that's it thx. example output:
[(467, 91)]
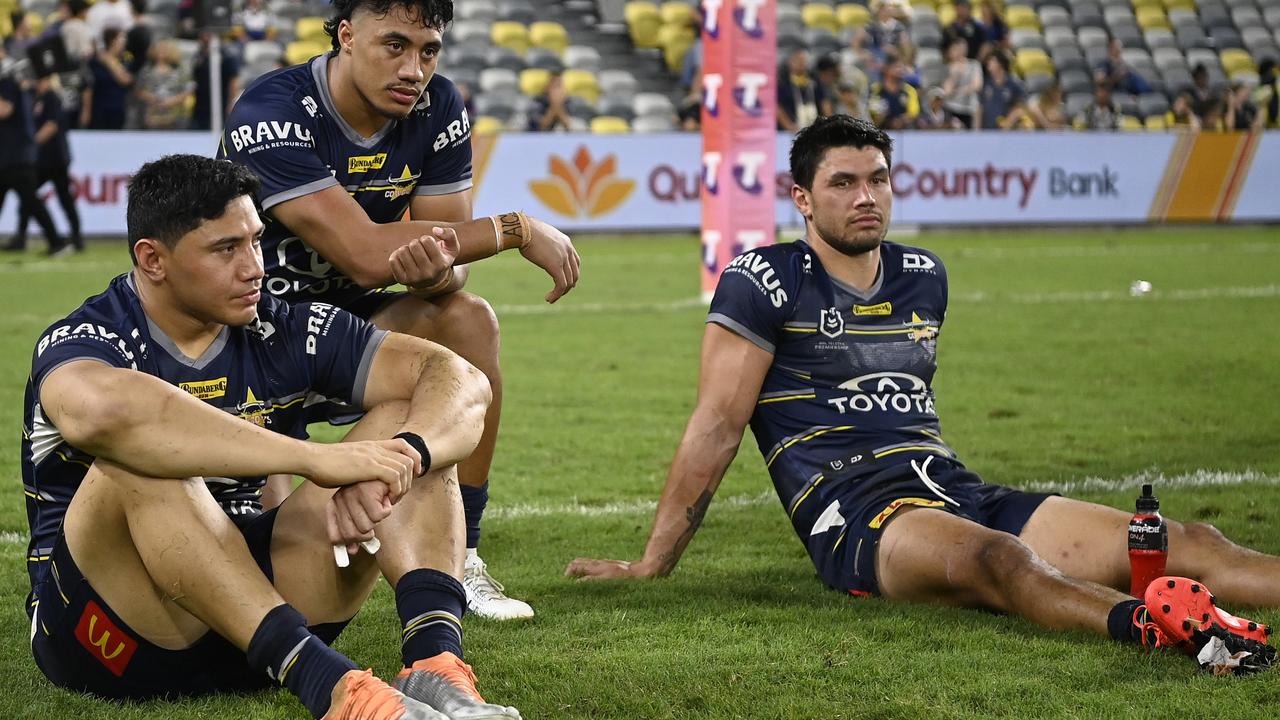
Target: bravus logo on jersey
[(268, 131), (762, 274)]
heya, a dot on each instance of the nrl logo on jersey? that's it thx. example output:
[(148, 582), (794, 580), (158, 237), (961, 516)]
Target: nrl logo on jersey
[(831, 322)]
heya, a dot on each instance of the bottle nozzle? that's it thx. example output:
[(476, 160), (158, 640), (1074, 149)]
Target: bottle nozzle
[(1147, 490)]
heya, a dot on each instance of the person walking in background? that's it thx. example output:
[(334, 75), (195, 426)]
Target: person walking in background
[(18, 161), (53, 160)]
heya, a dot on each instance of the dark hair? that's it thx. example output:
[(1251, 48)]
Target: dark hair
[(174, 195), (75, 7), (109, 35), (431, 13), (825, 133)]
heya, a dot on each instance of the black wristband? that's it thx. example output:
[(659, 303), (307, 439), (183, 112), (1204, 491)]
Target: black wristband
[(417, 443)]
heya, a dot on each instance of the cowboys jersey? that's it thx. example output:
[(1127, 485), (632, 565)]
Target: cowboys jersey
[(286, 129), (266, 372), (850, 388)]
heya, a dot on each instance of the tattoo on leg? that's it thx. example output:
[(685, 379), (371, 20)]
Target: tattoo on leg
[(694, 514)]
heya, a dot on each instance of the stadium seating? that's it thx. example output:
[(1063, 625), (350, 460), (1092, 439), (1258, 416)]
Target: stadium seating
[(609, 125)]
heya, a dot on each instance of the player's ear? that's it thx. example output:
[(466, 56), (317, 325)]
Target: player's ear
[(151, 255), (345, 35), (800, 197)]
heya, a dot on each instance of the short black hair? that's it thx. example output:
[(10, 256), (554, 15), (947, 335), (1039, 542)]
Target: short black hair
[(172, 196), (432, 13), (825, 133)]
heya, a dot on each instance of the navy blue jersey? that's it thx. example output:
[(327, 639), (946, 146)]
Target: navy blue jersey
[(850, 388), (266, 372), (285, 128)]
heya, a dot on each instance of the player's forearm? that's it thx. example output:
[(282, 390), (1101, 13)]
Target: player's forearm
[(448, 406), (157, 430), (477, 239), (705, 452)]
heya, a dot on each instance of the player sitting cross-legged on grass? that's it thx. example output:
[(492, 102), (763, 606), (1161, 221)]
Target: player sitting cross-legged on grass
[(153, 413), (827, 347), (347, 143)]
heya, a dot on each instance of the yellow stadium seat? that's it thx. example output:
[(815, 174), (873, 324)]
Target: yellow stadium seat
[(1137, 4), (300, 51), (609, 125), (35, 23), (1180, 5), (310, 29), (1152, 17), (643, 21), (1022, 17), (1033, 61), (819, 15), (581, 83), (923, 3), (1155, 122), (1235, 60), (486, 125), (510, 35), (677, 13), (549, 36), (1129, 122), (533, 81), (675, 41), (851, 15), (946, 13)]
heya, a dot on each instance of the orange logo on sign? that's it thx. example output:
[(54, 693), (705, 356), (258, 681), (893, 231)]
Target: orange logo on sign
[(583, 187), (96, 633)]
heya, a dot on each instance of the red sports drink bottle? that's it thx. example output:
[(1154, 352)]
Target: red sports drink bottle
[(1148, 544)]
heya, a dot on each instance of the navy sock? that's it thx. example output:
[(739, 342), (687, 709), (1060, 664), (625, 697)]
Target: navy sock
[(474, 500), (284, 649), (1120, 621), (430, 604)]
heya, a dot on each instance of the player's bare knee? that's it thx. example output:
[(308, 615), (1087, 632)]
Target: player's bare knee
[(1003, 560), (1201, 535), (478, 336)]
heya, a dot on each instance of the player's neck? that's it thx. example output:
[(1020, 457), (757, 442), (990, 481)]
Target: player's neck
[(347, 100), (858, 271), (192, 335)]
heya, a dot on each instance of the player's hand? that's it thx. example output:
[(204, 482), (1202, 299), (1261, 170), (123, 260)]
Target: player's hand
[(553, 251), (424, 260), (354, 510), (394, 463), (590, 569)]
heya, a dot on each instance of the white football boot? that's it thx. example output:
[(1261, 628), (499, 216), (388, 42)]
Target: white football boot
[(485, 596)]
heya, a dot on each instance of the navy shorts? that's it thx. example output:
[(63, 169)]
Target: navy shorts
[(844, 553), (81, 644)]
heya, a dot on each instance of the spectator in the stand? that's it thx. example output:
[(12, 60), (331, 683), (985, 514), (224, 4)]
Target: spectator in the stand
[(253, 22), (106, 100), (852, 59), (995, 31), (164, 89), (797, 93), (1267, 95), (933, 114), (1214, 119), (1102, 114), (468, 97), (826, 73), (53, 160), (852, 99), (1181, 114), (15, 46), (137, 42), (104, 14), (551, 108), (1203, 97), (202, 115), (691, 65), (966, 28), (963, 83), (1242, 113), (689, 111), (1046, 109), (1003, 103), (76, 35), (18, 161), (894, 104), (1114, 71), (887, 33)]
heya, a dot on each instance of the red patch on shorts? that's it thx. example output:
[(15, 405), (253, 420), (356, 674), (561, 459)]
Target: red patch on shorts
[(104, 640)]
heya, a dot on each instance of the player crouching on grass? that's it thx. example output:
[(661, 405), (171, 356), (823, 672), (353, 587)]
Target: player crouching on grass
[(154, 411), (827, 346)]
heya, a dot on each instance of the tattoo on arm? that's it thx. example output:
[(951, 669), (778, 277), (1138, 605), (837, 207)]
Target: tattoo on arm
[(513, 234), (694, 514)]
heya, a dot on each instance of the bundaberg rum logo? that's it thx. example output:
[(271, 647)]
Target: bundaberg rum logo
[(583, 187)]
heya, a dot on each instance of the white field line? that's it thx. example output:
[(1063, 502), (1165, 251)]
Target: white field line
[(1194, 479)]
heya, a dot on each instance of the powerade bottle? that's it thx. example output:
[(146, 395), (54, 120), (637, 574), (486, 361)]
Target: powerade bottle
[(1148, 543)]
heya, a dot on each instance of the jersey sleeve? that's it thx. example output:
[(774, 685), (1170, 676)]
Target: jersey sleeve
[(272, 136), (449, 168), (71, 340), (335, 349), (751, 299)]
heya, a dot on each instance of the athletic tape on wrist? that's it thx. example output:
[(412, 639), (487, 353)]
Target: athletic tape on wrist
[(515, 230), (417, 443)]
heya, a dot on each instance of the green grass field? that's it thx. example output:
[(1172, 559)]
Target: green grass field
[(1051, 376)]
